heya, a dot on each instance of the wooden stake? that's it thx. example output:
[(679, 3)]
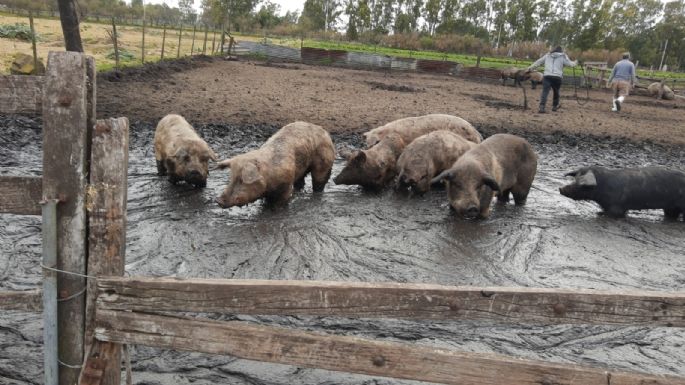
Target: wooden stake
[(113, 36), (142, 49), (65, 171), (163, 41), (192, 45), (33, 45), (180, 33), (204, 44), (107, 219)]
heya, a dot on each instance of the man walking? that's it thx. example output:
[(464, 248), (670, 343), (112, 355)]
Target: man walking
[(622, 79), (554, 71)]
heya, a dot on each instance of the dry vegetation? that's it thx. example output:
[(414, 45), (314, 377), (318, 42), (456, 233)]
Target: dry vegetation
[(96, 42)]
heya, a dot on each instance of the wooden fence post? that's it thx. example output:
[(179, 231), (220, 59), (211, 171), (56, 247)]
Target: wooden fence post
[(192, 46), (33, 45), (213, 41), (180, 33), (107, 225), (204, 45), (65, 174), (142, 49), (163, 41), (113, 35), (223, 39)]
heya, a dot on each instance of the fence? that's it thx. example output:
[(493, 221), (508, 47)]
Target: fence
[(84, 220)]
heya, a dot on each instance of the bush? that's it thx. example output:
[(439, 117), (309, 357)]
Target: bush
[(124, 55), (19, 31)]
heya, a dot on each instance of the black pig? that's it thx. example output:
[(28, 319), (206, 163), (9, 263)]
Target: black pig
[(617, 191)]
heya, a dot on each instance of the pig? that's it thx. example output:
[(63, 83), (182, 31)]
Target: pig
[(503, 163), (668, 94), (535, 78), (373, 168), (617, 191), (428, 156), (181, 153), (413, 127), (279, 166), (513, 73)]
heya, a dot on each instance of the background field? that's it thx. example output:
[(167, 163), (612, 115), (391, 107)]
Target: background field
[(97, 42)]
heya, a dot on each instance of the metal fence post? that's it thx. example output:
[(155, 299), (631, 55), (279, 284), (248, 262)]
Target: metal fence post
[(49, 233)]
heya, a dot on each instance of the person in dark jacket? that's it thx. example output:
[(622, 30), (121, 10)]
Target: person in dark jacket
[(555, 62)]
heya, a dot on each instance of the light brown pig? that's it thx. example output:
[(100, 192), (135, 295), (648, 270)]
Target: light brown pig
[(535, 78), (503, 163), (653, 90), (413, 127), (428, 156), (279, 165), (373, 168), (180, 152)]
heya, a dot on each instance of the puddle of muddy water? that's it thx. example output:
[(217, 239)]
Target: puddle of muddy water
[(347, 234)]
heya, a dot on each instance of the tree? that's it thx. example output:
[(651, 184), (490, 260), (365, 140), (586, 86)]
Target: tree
[(267, 16), (321, 14), (187, 9), (70, 25), (432, 15)]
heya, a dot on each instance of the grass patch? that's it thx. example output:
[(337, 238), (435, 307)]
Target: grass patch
[(19, 31)]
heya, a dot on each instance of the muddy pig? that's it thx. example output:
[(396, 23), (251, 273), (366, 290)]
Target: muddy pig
[(279, 165), (373, 168), (668, 94), (535, 78), (428, 156), (513, 73), (503, 163), (617, 191), (180, 152), (413, 127)]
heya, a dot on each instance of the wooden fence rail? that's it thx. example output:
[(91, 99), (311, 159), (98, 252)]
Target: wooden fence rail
[(21, 94), (393, 300), (350, 354), (30, 300), (20, 195)]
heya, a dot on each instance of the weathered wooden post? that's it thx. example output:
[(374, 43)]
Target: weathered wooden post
[(65, 174), (106, 236), (213, 42), (113, 35), (204, 45), (180, 33), (50, 342), (163, 41), (33, 45), (192, 45)]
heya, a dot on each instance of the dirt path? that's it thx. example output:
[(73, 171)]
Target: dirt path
[(218, 91)]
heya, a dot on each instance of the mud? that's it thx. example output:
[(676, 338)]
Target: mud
[(348, 234)]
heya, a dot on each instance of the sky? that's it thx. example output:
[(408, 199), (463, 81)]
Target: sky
[(286, 5)]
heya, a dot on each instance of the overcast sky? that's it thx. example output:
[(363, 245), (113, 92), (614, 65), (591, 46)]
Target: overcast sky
[(286, 5)]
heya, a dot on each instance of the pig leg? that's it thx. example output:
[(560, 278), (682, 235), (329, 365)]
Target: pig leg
[(672, 213), (299, 184), (161, 169), (504, 196), (321, 172), (614, 211), (280, 195)]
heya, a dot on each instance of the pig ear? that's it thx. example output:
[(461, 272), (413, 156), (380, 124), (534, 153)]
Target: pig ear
[(211, 154), (250, 173), (573, 173), (224, 164), (490, 182), (446, 175), (587, 179)]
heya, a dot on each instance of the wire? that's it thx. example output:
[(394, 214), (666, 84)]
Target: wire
[(575, 87), (67, 272)]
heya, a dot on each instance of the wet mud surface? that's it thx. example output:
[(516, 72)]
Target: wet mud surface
[(348, 234)]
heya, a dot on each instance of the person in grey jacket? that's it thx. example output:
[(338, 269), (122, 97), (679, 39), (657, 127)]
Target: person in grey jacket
[(554, 71), (622, 79)]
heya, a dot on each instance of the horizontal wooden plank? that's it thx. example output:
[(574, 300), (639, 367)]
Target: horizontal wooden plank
[(31, 300), (21, 195), (393, 300), (21, 94), (349, 354)]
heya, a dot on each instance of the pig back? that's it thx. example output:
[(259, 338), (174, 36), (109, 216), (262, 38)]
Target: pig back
[(299, 146), (514, 156), (640, 188), (411, 128), (171, 131)]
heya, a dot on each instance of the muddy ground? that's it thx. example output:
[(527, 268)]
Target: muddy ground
[(217, 91), (348, 234)]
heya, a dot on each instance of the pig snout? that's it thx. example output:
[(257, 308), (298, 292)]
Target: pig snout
[(196, 178), (471, 212)]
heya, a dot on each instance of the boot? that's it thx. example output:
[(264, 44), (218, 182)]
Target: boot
[(554, 108), (542, 109)]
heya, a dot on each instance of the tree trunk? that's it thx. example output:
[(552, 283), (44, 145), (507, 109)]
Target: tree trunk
[(70, 29)]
